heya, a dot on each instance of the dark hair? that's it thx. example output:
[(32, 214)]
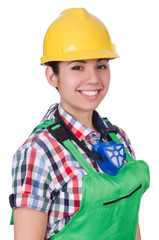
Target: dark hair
[(54, 65), (51, 111)]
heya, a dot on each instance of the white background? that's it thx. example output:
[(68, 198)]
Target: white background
[(132, 101)]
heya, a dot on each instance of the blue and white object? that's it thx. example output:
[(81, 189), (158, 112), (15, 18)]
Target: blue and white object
[(113, 155)]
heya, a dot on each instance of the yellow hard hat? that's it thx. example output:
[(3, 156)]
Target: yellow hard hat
[(76, 35)]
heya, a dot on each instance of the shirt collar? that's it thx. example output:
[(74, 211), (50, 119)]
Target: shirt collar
[(79, 129)]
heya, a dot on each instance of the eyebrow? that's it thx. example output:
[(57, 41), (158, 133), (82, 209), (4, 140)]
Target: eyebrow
[(82, 61), (106, 59)]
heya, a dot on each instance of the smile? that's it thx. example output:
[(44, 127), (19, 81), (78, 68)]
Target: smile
[(90, 93)]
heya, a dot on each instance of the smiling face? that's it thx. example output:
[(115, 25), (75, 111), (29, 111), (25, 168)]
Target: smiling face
[(82, 84)]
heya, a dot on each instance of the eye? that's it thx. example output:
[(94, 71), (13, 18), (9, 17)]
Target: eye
[(76, 68), (103, 66)]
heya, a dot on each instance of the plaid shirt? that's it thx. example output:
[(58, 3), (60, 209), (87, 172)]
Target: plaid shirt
[(47, 178)]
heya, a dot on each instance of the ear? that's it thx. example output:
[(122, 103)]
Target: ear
[(51, 76)]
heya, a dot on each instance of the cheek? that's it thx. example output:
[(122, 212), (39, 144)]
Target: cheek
[(107, 80), (66, 85), (68, 79)]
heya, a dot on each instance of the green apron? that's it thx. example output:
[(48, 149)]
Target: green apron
[(110, 204)]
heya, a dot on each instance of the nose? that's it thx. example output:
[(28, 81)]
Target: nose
[(92, 76)]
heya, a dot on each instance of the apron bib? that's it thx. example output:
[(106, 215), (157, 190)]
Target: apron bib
[(110, 205)]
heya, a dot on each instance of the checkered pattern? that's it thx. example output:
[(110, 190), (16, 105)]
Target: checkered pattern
[(47, 178)]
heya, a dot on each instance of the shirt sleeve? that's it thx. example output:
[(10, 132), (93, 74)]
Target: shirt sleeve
[(126, 141), (31, 181)]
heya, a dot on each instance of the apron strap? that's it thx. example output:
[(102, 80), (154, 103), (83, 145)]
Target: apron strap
[(78, 156), (112, 134), (60, 133)]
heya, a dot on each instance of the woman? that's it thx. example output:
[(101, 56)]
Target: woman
[(60, 193)]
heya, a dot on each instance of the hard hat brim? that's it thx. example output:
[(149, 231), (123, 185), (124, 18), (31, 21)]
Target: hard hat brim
[(80, 55)]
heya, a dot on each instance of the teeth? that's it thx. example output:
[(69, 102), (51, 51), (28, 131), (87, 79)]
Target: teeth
[(89, 93)]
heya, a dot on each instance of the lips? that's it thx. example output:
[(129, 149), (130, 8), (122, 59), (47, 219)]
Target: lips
[(89, 93)]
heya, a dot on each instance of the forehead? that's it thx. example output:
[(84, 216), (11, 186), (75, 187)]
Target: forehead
[(86, 61)]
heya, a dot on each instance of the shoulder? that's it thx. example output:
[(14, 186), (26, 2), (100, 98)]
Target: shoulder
[(40, 146), (123, 137), (38, 139)]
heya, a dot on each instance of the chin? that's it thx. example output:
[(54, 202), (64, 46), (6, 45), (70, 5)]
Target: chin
[(91, 108)]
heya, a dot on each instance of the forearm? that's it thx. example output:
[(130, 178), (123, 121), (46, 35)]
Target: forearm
[(29, 224), (138, 235)]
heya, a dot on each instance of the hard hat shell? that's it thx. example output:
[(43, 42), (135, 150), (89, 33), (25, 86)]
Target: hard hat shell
[(76, 35)]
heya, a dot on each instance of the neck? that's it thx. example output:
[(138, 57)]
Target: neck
[(85, 117)]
